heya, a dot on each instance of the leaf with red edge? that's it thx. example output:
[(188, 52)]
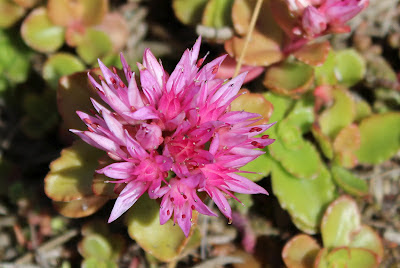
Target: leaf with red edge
[(40, 33), (368, 238), (341, 219), (300, 251), (70, 176), (348, 257), (289, 78), (349, 182), (80, 208), (313, 54), (262, 50)]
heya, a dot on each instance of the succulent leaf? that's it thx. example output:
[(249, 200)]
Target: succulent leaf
[(165, 242), (300, 251)]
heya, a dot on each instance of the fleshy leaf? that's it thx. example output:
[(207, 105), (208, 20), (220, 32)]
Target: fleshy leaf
[(263, 51), (348, 257), (60, 64), (85, 12), (40, 33), (94, 44), (298, 156), (300, 251), (340, 221), (189, 12), (280, 104), (313, 54), (100, 187), (96, 263), (95, 245), (217, 13), (262, 165), (253, 103), (339, 115), (345, 144), (349, 182), (304, 199), (80, 208), (71, 175), (14, 58), (302, 114), (165, 242), (367, 238), (117, 29), (10, 13), (323, 141), (289, 78), (325, 74), (266, 26), (380, 138), (73, 94), (350, 67)]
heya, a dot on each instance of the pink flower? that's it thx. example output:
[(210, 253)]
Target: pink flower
[(174, 136), (313, 18)]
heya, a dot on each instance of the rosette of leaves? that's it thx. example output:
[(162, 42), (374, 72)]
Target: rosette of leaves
[(86, 25), (99, 247), (14, 60), (346, 241), (212, 17), (78, 191), (300, 179)]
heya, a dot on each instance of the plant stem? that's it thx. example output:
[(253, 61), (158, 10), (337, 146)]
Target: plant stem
[(253, 20)]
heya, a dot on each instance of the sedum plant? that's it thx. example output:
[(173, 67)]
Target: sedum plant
[(174, 138), (346, 242)]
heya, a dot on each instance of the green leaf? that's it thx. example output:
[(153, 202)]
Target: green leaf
[(14, 57), (289, 78), (261, 165), (302, 114), (95, 44), (300, 251), (281, 105), (217, 13), (349, 182), (367, 238), (304, 199), (71, 175), (350, 67), (165, 242), (380, 138), (349, 257), (10, 13), (298, 156), (325, 74), (189, 12), (323, 141), (96, 263), (60, 64), (96, 245), (340, 221), (40, 33), (340, 115)]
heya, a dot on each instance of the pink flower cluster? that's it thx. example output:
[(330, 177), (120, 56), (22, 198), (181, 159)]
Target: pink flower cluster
[(174, 136), (319, 17)]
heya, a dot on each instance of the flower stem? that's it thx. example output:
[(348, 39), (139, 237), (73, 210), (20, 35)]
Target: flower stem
[(253, 20)]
